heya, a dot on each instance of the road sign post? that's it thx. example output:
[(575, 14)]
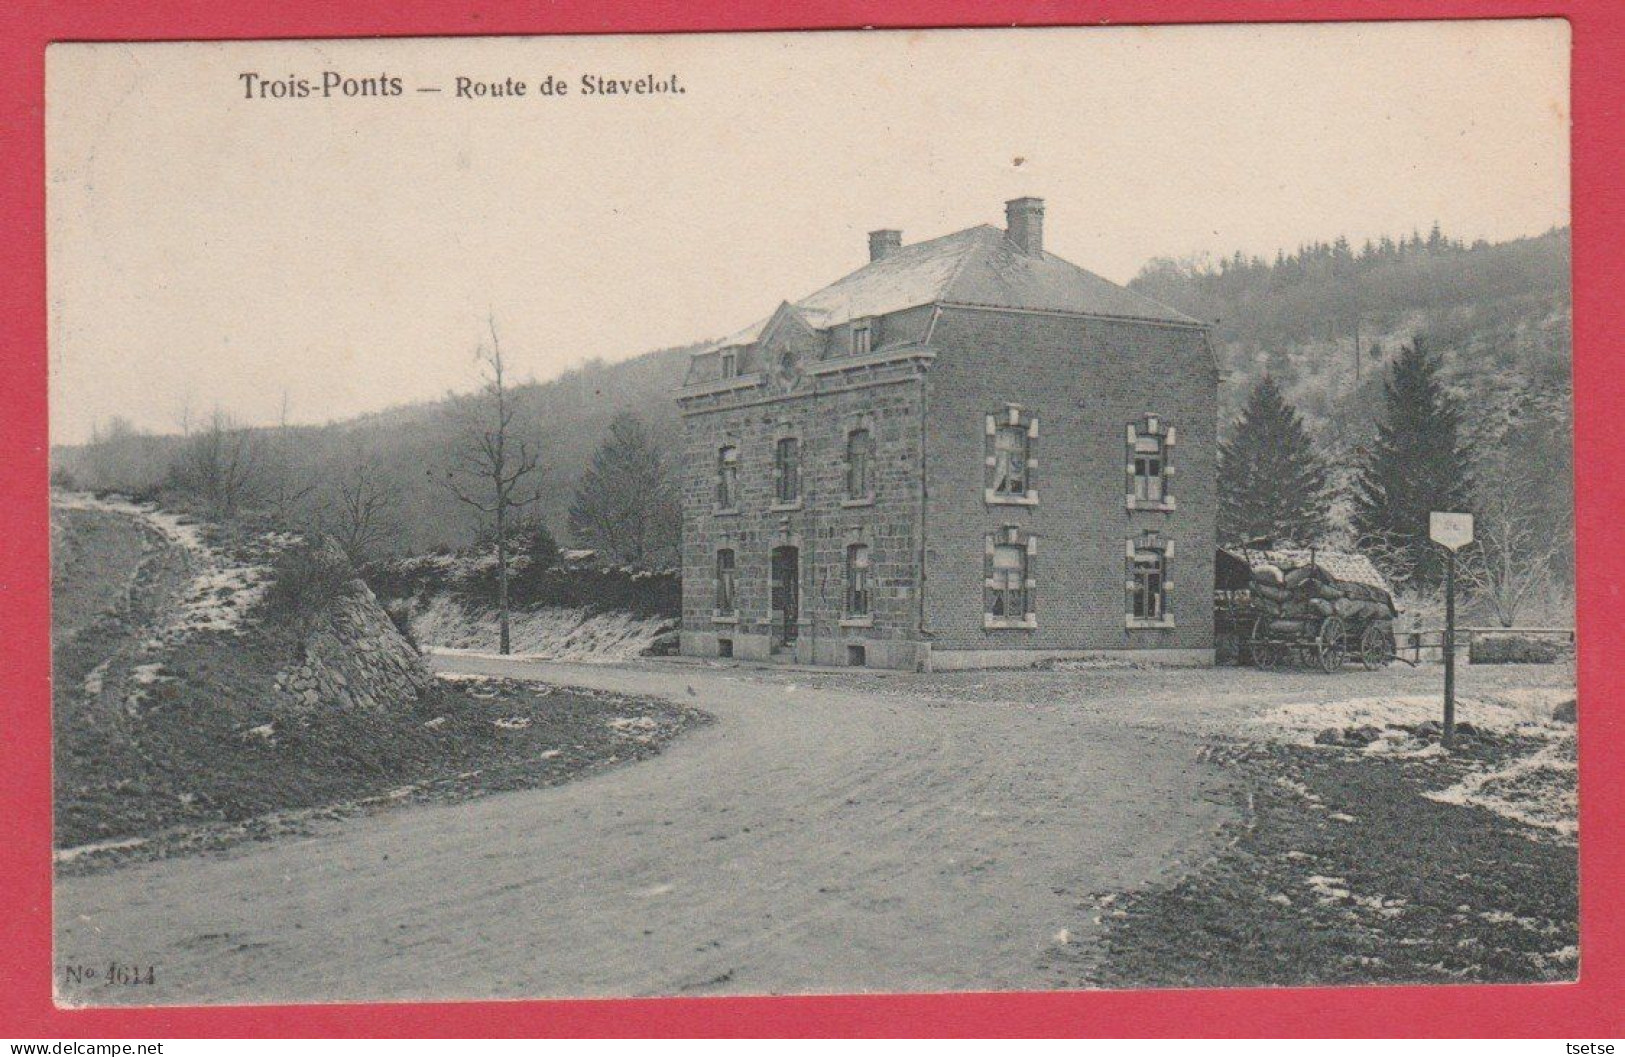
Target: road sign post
[(1452, 532), (1450, 650)]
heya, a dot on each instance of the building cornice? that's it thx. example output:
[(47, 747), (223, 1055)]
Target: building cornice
[(879, 358), (749, 380), (1140, 320)]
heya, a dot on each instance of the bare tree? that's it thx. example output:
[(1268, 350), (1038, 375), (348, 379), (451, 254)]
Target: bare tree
[(490, 470), (287, 488), (359, 511), (111, 457), (220, 464), (1511, 557)]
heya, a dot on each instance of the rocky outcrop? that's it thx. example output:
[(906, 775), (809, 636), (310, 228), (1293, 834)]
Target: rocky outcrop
[(352, 656)]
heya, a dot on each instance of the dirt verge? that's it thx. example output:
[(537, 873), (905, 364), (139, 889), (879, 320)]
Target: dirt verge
[(185, 783), (1344, 870)]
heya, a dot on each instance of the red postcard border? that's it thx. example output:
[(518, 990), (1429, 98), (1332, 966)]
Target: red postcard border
[(1594, 1007)]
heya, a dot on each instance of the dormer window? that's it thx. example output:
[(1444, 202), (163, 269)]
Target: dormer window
[(862, 337), (730, 364)]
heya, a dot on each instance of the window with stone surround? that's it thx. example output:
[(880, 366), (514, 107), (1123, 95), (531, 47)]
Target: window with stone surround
[(726, 583), (1147, 585), (1012, 436), (1150, 469), (1010, 587), (787, 471), (860, 458), (727, 478), (857, 580)]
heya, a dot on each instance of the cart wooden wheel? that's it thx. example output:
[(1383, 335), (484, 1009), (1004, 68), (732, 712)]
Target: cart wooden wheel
[(1377, 647), (1257, 649), (1329, 648)]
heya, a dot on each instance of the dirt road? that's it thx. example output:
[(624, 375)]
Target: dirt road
[(810, 840)]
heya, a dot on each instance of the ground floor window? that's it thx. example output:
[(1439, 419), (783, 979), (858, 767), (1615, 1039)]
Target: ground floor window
[(857, 580), (725, 583), (1148, 583), (1010, 584), (1148, 575)]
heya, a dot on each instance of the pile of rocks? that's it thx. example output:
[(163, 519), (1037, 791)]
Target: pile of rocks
[(353, 657)]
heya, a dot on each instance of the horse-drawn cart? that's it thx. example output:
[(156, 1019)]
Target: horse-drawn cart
[(1320, 609)]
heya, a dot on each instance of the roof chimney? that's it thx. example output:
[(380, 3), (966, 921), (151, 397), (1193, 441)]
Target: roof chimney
[(884, 243), (1024, 224)]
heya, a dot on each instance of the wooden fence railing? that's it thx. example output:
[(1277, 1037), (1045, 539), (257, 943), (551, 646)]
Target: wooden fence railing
[(1413, 645)]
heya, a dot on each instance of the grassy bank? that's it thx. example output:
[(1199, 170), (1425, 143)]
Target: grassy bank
[(176, 779)]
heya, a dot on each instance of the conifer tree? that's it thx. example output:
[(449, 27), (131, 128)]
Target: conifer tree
[(1417, 464), (626, 506), (1272, 482)]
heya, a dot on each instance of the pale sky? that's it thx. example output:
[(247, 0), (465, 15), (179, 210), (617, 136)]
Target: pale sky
[(213, 250)]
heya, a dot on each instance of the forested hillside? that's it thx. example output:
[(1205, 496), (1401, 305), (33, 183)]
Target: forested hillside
[(1324, 322), (403, 452)]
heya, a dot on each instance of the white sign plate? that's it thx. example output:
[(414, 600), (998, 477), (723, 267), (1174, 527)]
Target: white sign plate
[(1450, 530)]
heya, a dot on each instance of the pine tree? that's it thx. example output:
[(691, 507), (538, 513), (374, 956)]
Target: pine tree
[(1272, 483), (1418, 464), (625, 506)]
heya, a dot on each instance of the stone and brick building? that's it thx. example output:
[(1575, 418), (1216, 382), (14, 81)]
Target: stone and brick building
[(969, 452)]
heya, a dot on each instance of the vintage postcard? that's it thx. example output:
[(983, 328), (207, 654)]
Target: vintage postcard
[(817, 512)]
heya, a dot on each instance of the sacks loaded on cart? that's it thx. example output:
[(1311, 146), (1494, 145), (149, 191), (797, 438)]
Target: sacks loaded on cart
[(1315, 607)]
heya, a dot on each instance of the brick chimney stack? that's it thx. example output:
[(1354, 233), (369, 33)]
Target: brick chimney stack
[(1024, 224), (884, 243)]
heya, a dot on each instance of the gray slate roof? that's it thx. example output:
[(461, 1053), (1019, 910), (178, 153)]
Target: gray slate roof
[(977, 266)]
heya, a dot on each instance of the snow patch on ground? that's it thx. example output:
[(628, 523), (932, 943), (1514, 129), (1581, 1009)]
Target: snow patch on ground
[(1509, 712), (1539, 790), (176, 528), (217, 600), (221, 592), (555, 634), (70, 854)]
